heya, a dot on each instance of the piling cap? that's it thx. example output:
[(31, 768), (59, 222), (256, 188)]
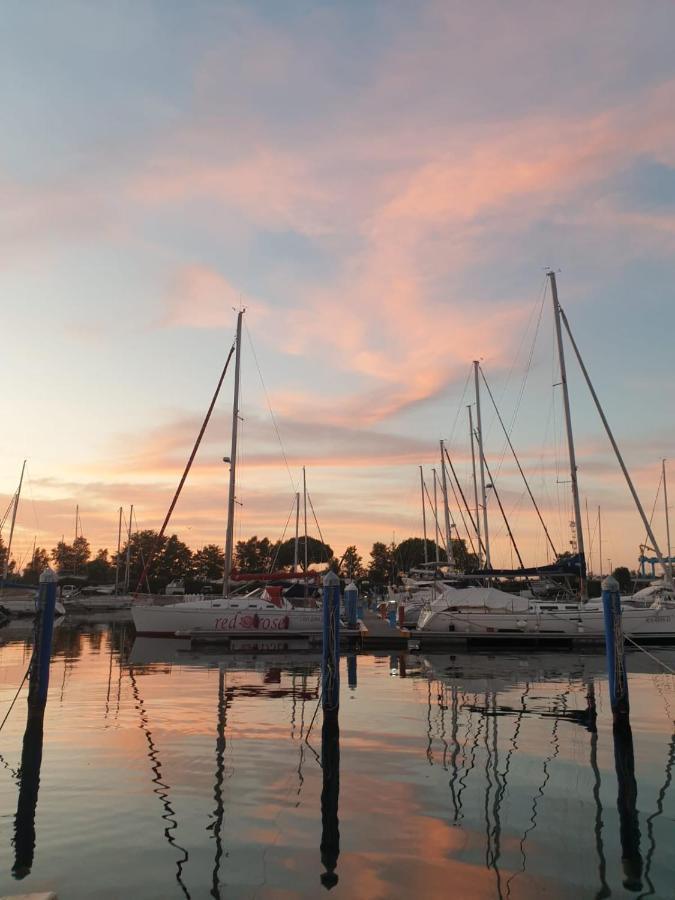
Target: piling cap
[(48, 576), (610, 584), (330, 579), (351, 587)]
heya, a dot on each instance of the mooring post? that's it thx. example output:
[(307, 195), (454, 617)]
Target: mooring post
[(351, 601), (614, 646), (330, 732), (330, 662), (42, 651)]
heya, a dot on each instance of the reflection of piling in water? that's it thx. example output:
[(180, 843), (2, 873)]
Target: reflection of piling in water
[(351, 671), (330, 732), (330, 826), (31, 753), (24, 823), (626, 803)]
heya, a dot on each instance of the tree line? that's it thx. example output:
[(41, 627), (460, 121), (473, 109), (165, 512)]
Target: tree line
[(172, 559)]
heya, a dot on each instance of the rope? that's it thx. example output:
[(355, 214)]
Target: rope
[(650, 655), (11, 706)]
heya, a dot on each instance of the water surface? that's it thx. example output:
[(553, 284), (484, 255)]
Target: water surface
[(169, 773)]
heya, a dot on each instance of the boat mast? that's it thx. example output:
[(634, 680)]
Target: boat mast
[(475, 482), (304, 495), (297, 524), (600, 540), (117, 558), (229, 538), (481, 461), (583, 588), (448, 532), (437, 535), (11, 527), (424, 517), (127, 570), (615, 446), (668, 572)]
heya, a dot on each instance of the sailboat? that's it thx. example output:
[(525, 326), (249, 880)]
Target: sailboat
[(267, 614), (489, 613)]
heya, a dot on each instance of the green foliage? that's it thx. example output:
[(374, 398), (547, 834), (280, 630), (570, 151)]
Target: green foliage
[(351, 564), (208, 563), (410, 554), (100, 570), (171, 559), (623, 576), (37, 565), (3, 558), (317, 552), (255, 556), (71, 559), (382, 566)]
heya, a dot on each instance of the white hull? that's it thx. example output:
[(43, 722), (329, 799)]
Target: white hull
[(25, 608), (588, 624), (96, 603), (183, 619)]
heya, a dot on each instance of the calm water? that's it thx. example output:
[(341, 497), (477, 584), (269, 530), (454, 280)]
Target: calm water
[(168, 773)]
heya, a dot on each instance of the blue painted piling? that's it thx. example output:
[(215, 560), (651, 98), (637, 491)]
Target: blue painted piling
[(351, 603), (44, 628), (614, 646), (330, 660)]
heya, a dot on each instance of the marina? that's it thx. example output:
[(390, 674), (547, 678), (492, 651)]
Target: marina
[(200, 770)]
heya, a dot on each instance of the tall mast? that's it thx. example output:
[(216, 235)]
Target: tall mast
[(297, 525), (448, 533), (437, 535), (117, 558), (304, 495), (475, 483), (17, 496), (127, 571), (424, 518), (668, 571), (481, 461), (583, 588), (229, 538), (600, 541)]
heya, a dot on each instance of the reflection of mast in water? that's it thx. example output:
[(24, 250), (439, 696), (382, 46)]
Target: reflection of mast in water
[(161, 789), (472, 762), (555, 743), (454, 706), (111, 637), (219, 812), (605, 889), (430, 753), (500, 789), (657, 812)]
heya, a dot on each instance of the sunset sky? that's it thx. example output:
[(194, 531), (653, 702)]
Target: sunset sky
[(383, 187)]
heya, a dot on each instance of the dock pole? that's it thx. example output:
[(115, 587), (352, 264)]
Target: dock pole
[(351, 603), (44, 628), (614, 645), (330, 731)]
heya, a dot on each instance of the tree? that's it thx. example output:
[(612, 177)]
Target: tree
[(170, 559), (381, 568), (99, 570), (351, 564), (317, 552), (3, 558), (71, 558), (208, 563), (255, 555), (623, 576), (37, 565)]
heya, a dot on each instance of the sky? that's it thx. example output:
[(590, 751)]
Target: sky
[(383, 187)]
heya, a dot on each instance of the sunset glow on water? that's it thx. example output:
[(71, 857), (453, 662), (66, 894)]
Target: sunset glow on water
[(168, 773)]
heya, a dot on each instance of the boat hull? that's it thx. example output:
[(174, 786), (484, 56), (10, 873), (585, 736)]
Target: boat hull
[(174, 620), (638, 624)]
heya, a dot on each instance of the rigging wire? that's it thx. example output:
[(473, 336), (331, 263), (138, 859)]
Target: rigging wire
[(271, 411), (515, 456), (273, 564), (309, 498)]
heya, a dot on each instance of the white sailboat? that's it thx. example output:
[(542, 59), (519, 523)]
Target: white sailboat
[(489, 613), (253, 614)]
